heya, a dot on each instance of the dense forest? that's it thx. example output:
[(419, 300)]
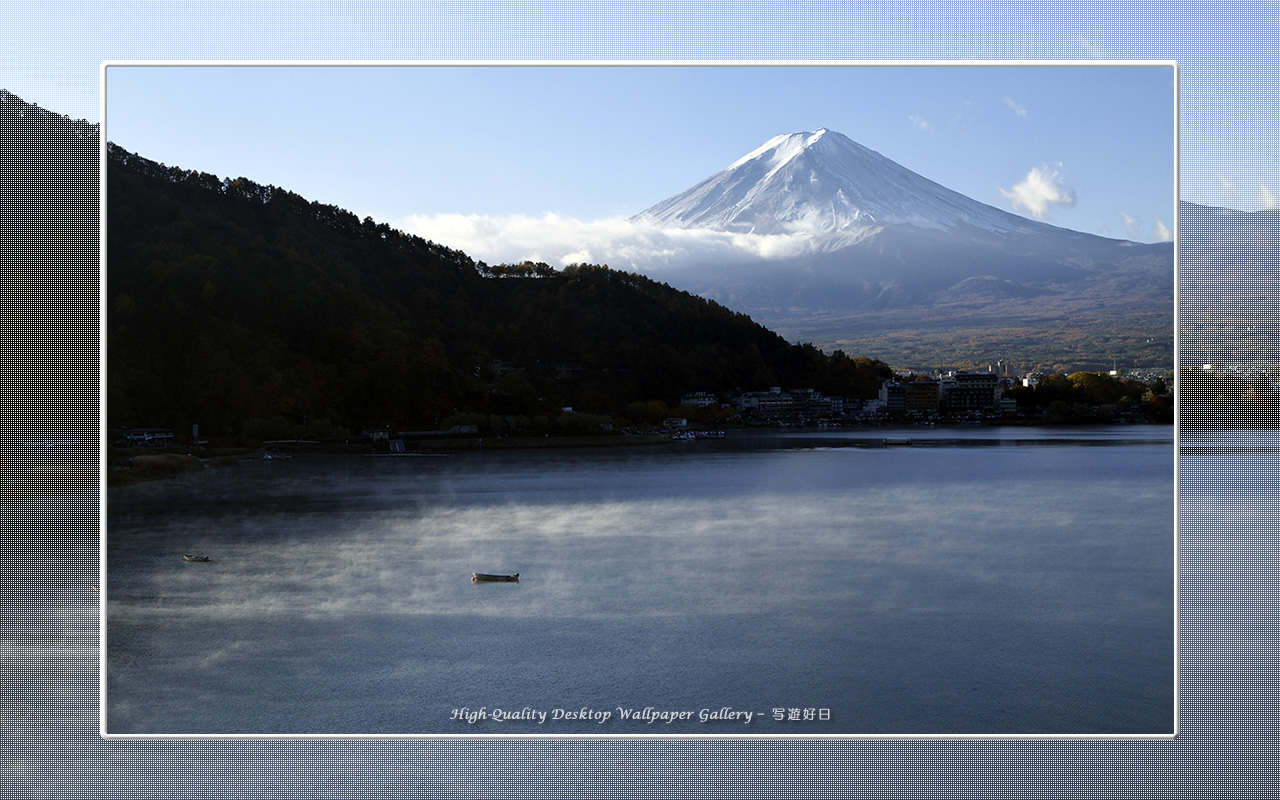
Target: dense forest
[(49, 252), (1094, 397), (248, 309)]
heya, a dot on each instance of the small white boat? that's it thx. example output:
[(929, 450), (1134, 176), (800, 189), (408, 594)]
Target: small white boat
[(186, 557), (482, 577)]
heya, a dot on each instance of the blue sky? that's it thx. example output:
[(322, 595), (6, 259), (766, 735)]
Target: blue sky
[(603, 141), (545, 161), (1230, 103)]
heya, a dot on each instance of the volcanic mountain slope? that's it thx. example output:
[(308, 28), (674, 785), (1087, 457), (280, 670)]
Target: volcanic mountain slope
[(1230, 286), (920, 274), (827, 185)]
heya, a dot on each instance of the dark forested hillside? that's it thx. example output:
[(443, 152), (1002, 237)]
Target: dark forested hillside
[(230, 303), (49, 257)]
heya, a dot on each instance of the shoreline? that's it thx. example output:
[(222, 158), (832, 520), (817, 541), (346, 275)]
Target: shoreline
[(129, 466)]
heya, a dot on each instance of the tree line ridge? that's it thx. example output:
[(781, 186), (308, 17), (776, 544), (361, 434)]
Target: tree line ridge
[(230, 301)]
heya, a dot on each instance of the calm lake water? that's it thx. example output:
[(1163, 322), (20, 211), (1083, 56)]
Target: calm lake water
[(978, 581)]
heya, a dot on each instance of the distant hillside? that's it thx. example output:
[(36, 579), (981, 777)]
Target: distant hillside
[(230, 303), (1229, 268), (49, 253), (904, 269)]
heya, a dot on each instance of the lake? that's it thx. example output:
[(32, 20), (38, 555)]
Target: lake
[(973, 581)]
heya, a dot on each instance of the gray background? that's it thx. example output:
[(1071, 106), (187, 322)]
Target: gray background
[(49, 743)]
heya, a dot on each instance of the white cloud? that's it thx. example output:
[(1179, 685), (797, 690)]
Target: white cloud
[(919, 121), (618, 242), (1133, 228), (1092, 50), (1163, 234), (1017, 109), (1267, 198), (1230, 195), (1040, 189), (1131, 225)]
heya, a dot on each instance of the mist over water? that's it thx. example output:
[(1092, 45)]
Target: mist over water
[(1007, 583)]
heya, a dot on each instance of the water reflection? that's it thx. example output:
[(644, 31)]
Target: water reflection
[(903, 589)]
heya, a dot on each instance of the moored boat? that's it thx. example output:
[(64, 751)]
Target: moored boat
[(186, 557), (483, 577)]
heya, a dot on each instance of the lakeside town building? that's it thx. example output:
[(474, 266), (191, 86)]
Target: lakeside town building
[(954, 393)]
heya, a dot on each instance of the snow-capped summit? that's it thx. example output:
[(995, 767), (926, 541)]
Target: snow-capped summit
[(875, 254), (825, 184)]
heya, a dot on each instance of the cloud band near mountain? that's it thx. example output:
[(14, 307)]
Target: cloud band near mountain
[(619, 242)]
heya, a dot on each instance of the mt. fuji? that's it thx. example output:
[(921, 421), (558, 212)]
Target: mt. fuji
[(827, 185), (899, 267)]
